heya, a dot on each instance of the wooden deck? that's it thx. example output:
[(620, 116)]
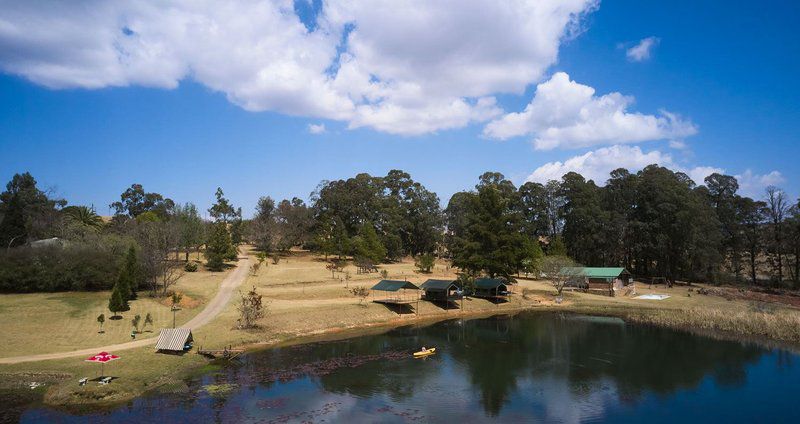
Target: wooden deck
[(395, 301), (220, 353)]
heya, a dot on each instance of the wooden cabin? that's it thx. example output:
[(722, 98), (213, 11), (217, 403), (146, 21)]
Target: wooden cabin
[(441, 290), (602, 280), (491, 288)]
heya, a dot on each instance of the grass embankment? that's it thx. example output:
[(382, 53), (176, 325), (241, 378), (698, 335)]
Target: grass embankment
[(305, 300)]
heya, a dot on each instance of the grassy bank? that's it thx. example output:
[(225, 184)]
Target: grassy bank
[(307, 303)]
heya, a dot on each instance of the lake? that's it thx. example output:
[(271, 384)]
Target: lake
[(525, 368)]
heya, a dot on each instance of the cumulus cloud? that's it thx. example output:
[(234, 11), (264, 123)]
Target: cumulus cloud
[(596, 165), (753, 185), (566, 114), (400, 67), (642, 50), (316, 128)]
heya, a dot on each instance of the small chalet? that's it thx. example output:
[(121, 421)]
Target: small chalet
[(602, 280), (441, 290)]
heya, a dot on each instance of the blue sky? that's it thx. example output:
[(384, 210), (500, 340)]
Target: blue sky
[(198, 117)]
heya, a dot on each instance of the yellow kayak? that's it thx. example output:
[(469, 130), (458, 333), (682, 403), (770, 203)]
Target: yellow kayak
[(427, 352)]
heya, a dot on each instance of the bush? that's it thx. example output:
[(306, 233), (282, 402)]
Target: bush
[(190, 267), (75, 267), (425, 262)]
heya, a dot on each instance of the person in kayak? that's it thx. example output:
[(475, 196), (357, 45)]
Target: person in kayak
[(423, 349)]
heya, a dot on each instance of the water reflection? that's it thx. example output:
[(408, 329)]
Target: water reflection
[(529, 367)]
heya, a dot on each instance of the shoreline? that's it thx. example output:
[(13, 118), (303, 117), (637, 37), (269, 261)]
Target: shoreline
[(629, 316)]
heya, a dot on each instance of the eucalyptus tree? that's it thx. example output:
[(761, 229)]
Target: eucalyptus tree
[(585, 220), (777, 209), (26, 212), (262, 227), (135, 201), (405, 215), (293, 223), (751, 215), (723, 199), (192, 229)]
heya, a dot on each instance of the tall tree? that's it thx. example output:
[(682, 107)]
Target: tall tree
[(192, 230), (678, 233), (620, 200), (262, 226), (293, 223), (794, 242), (218, 247), (533, 204), (752, 215), (723, 198), (368, 245), (554, 203), (406, 216), (490, 239), (135, 201), (585, 220), (128, 279), (222, 210), (777, 208), (26, 211)]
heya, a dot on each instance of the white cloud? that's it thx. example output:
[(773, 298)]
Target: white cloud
[(753, 185), (642, 51), (316, 128), (401, 67), (566, 114), (596, 165)]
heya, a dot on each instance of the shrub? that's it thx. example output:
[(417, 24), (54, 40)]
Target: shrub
[(75, 267), (251, 308), (190, 267), (425, 262), (361, 292)]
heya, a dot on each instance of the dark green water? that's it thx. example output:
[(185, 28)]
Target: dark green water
[(529, 368)]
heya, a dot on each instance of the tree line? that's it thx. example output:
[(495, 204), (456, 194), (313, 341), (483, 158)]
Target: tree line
[(655, 222)]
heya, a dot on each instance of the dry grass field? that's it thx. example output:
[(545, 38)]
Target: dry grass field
[(56, 322)]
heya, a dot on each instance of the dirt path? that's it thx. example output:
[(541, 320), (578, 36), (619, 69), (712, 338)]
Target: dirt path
[(214, 307)]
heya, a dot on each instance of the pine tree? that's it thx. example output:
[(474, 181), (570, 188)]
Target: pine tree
[(128, 275), (368, 245), (118, 303), (219, 247), (557, 247)]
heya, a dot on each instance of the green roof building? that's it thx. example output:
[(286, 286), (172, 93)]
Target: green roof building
[(604, 280), (441, 290), (491, 288)]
